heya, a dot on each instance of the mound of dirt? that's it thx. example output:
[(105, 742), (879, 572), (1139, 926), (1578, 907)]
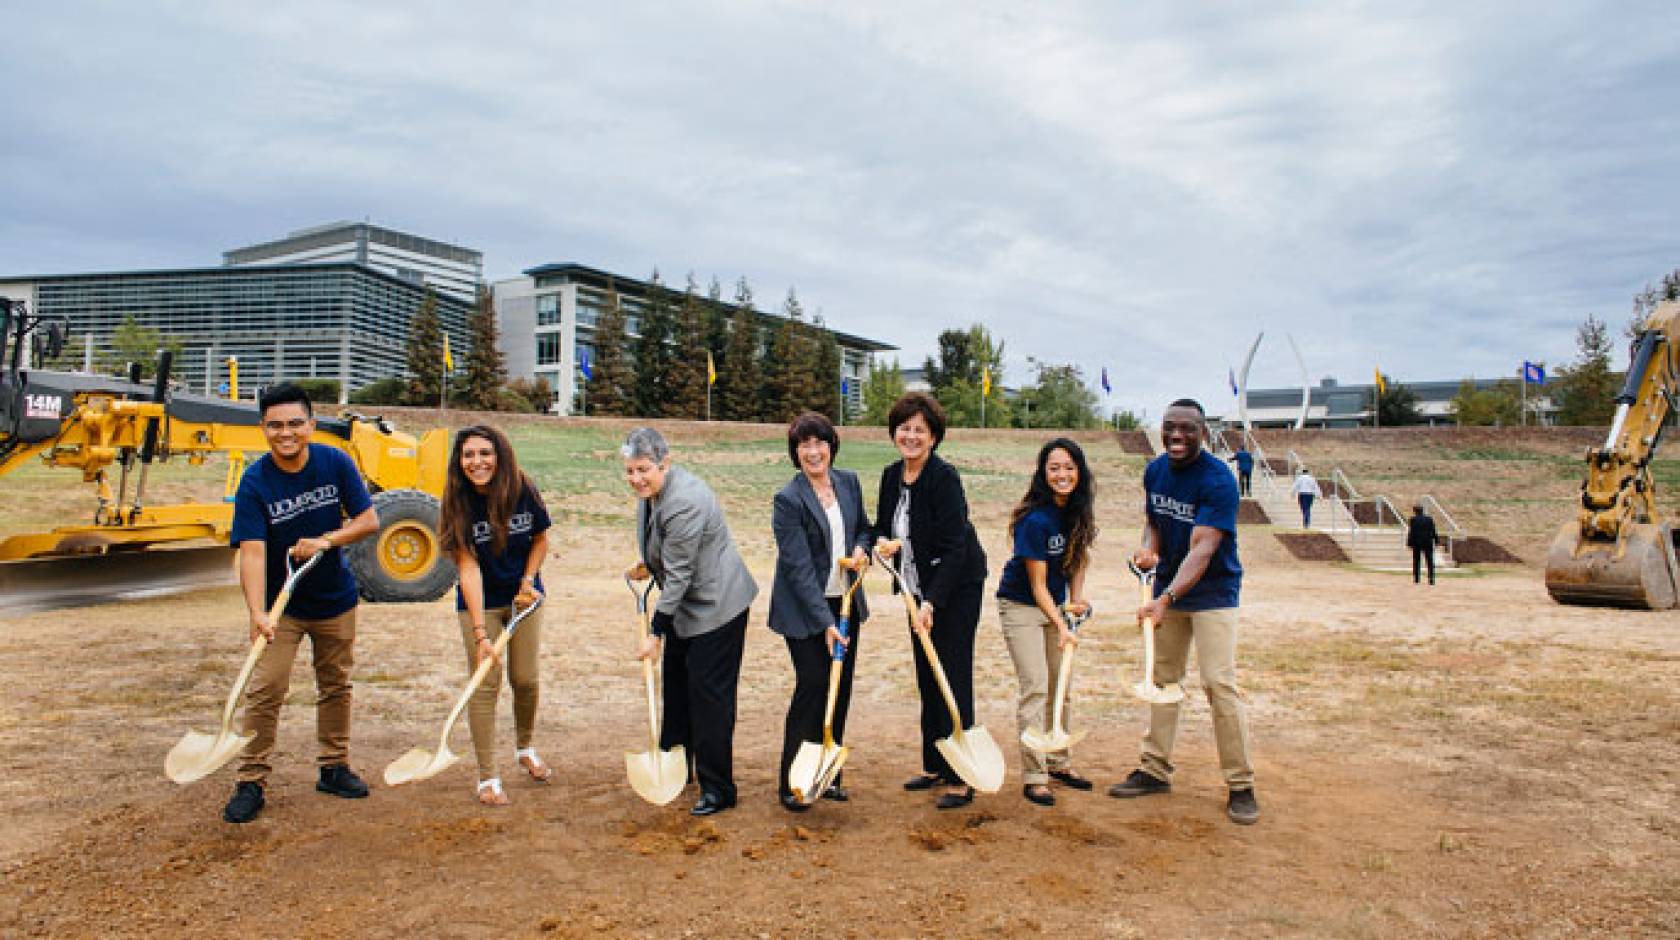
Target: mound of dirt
[(1250, 512), (1480, 550), (1311, 546)]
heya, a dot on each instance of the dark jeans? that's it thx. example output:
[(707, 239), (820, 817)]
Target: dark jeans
[(1244, 480), (1306, 510), (1423, 555), (953, 639), (811, 664), (700, 677)]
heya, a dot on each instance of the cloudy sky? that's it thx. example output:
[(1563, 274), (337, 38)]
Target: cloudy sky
[(1443, 189)]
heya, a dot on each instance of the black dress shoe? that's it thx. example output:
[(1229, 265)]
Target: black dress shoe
[(1039, 793), (340, 780), (837, 793), (1069, 779), (789, 802), (955, 800), (923, 782), (709, 804)]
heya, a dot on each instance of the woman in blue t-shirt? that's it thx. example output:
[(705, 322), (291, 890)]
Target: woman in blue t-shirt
[(495, 526), (1052, 529)]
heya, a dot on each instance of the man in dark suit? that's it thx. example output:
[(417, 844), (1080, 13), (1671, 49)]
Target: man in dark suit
[(701, 617), (1420, 537)]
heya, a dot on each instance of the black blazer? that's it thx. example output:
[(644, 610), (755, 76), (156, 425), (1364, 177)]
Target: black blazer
[(798, 607), (1420, 532), (948, 553)]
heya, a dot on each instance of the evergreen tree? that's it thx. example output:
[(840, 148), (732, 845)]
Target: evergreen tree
[(132, 342), (826, 373), (687, 379), (1645, 302), (1586, 390), (955, 363), (884, 387), (425, 354), (716, 323), (486, 368), (789, 369), (1396, 404), (967, 359), (1059, 399), (735, 397), (655, 355), (611, 387)]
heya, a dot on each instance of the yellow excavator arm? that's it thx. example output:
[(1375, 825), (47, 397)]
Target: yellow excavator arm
[(1619, 550)]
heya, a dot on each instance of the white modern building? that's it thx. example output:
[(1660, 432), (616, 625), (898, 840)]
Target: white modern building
[(1334, 405), (546, 321), (423, 262)]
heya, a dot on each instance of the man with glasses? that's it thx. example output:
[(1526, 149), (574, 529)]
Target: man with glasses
[(1190, 540), (299, 500)]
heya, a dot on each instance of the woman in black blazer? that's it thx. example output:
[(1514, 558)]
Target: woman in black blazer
[(818, 519), (921, 503)]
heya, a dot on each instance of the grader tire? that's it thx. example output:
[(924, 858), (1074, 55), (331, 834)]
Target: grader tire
[(404, 563)]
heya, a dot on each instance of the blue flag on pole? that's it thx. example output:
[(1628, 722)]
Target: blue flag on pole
[(1231, 374), (1105, 386), (1533, 373), (845, 386), (583, 363)]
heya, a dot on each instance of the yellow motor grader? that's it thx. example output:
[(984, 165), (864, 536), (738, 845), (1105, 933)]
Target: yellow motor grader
[(1619, 551), (106, 426)]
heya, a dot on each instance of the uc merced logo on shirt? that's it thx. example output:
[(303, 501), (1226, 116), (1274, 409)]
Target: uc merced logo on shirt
[(518, 524), (1167, 506), (1058, 544), (293, 506)]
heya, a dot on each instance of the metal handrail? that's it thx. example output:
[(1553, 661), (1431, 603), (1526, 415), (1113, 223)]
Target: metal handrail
[(1384, 501), (1340, 482), (1296, 464), (1434, 508)]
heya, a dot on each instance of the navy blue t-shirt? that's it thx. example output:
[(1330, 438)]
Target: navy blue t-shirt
[(1203, 493), (1038, 536), (1245, 461), (279, 508), (502, 573)]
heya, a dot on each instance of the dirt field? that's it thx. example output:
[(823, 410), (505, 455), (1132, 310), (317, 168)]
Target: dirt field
[(1467, 760)]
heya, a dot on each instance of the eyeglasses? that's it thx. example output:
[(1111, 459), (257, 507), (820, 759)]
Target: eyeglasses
[(291, 424)]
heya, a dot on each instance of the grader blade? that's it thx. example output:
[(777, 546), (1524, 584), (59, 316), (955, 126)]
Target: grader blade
[(80, 580)]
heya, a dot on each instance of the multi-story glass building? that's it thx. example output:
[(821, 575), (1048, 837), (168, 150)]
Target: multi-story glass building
[(339, 320), (546, 321), (445, 268)]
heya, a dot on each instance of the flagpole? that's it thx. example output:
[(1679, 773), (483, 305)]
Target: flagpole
[(1522, 415)]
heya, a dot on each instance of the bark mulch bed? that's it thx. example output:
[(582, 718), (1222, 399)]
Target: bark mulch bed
[(1250, 512), (1311, 546), (1480, 550)]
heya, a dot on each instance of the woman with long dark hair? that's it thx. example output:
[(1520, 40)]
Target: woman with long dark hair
[(921, 506), (495, 526), (1052, 528)]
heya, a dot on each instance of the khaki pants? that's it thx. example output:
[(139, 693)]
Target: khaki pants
[(1215, 635), (520, 658), (1035, 646), (332, 644)]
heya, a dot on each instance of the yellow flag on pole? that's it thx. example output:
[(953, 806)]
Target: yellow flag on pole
[(448, 360), (986, 382), (1382, 386), (711, 369)]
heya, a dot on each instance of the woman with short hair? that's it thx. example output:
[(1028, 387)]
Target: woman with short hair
[(921, 506), (495, 526), (818, 520), (1052, 528), (701, 615)]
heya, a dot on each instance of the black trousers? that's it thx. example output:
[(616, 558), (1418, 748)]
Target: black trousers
[(953, 639), (1245, 479), (1421, 555), (700, 676), (811, 664)]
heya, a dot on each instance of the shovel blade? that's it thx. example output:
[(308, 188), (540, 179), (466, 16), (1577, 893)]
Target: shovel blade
[(1046, 742), (1159, 694), (418, 764), (814, 769), (975, 757), (657, 776), (198, 755)]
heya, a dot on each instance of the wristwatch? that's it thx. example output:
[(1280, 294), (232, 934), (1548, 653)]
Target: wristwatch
[(1170, 596)]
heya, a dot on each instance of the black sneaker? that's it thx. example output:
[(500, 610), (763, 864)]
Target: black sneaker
[(1243, 809), (1139, 783), (246, 803), (340, 780)]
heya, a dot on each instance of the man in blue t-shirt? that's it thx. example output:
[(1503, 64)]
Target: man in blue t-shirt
[(295, 501), (1190, 540), (1245, 471)]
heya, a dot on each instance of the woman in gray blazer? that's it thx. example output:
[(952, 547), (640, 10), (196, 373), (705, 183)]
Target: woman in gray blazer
[(701, 616), (818, 519)]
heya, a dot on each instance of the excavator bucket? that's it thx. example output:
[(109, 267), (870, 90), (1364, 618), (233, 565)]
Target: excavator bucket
[(77, 580), (1638, 571)]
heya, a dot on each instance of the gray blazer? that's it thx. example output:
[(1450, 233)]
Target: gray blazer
[(798, 608), (686, 544)]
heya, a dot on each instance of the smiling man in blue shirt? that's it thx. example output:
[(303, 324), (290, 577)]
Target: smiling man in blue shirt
[(1190, 540)]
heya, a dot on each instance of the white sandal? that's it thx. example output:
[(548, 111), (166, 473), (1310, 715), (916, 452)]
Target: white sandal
[(528, 759), (490, 792)]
